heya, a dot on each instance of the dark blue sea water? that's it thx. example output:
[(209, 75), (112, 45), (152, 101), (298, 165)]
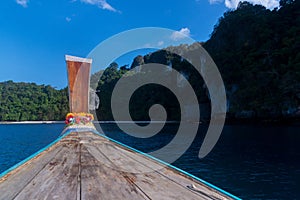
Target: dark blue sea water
[(249, 161), (17, 142)]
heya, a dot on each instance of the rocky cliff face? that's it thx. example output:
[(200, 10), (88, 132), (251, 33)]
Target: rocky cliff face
[(257, 53)]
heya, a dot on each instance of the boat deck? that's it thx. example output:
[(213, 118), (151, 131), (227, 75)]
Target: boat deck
[(83, 165)]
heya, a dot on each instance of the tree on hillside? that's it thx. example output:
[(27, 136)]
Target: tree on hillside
[(28, 101), (257, 52)]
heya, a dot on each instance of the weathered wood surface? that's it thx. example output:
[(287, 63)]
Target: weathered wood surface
[(87, 166), (79, 83)]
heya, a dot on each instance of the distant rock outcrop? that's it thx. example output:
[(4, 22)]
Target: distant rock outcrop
[(94, 100)]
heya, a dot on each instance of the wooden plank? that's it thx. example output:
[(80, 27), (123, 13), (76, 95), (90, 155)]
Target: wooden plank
[(120, 157), (101, 182), (15, 181), (170, 175), (87, 166), (79, 83), (191, 184), (154, 179), (147, 179), (59, 178)]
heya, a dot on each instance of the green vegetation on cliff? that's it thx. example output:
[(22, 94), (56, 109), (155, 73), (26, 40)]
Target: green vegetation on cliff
[(257, 53), (255, 49), (31, 102)]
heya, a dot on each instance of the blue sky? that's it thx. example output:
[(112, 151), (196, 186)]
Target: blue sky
[(36, 34)]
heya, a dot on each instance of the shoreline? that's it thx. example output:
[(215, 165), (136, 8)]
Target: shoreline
[(34, 122), (137, 122), (97, 122), (227, 122)]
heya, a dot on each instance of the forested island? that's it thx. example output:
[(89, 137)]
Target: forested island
[(255, 49), (32, 102)]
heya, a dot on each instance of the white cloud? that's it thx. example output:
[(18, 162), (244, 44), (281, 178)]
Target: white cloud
[(233, 4), (68, 19), (213, 1), (179, 35), (154, 44), (102, 4), (147, 45), (22, 2), (160, 43)]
